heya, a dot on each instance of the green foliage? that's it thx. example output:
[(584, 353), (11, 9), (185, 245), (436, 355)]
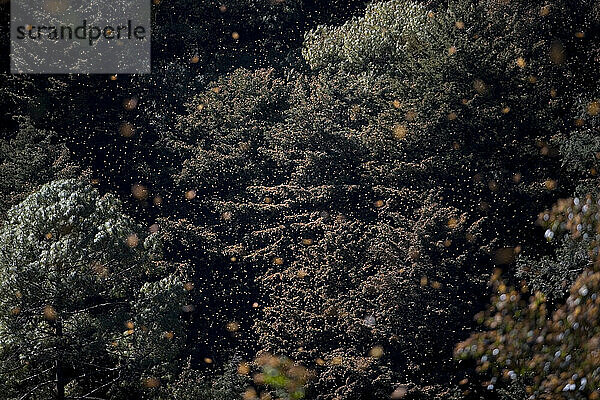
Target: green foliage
[(553, 275), (556, 352), (193, 385), (323, 199), (28, 160), (388, 34), (281, 376), (74, 302)]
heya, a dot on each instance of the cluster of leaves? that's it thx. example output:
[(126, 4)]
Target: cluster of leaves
[(81, 294), (279, 376), (192, 384), (30, 158), (557, 352), (387, 35), (553, 274)]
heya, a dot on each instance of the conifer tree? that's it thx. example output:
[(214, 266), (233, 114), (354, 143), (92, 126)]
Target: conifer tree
[(86, 311)]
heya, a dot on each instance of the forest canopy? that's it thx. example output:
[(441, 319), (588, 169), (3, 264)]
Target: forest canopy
[(313, 200)]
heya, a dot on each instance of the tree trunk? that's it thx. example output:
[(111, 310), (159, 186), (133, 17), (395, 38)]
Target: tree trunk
[(60, 378)]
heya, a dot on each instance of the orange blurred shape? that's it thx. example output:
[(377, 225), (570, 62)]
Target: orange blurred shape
[(132, 240), (504, 255), (139, 191), (126, 130), (49, 313), (399, 393), (151, 383)]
